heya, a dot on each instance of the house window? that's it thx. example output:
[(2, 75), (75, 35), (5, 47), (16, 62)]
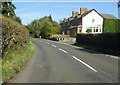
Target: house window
[(93, 20), (80, 30), (100, 30), (96, 30)]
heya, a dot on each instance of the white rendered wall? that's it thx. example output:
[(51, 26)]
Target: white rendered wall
[(87, 21)]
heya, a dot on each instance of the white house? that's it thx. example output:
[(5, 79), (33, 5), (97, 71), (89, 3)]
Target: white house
[(86, 19), (92, 20)]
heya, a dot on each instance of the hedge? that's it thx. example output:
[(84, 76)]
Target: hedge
[(111, 26), (16, 48), (13, 34), (108, 40)]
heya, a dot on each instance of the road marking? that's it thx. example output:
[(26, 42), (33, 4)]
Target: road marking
[(47, 43), (84, 64), (111, 56), (114, 57), (54, 45), (65, 43), (63, 50)]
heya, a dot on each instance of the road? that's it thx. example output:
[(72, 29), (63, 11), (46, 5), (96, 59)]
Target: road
[(54, 62)]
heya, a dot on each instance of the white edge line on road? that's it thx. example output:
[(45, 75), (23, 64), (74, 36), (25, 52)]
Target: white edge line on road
[(63, 50), (47, 43), (115, 57), (54, 45), (84, 64)]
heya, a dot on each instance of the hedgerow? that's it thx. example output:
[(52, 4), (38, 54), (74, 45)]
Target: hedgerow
[(17, 48)]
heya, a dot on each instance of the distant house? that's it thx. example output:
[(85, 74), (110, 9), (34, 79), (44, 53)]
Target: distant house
[(81, 22)]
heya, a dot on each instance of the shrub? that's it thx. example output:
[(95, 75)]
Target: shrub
[(111, 25), (109, 40), (17, 48), (88, 30), (14, 34)]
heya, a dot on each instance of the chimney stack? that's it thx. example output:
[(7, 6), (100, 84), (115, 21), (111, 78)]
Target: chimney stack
[(74, 13), (82, 10)]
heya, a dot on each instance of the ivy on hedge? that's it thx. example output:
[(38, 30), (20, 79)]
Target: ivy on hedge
[(111, 25), (108, 40)]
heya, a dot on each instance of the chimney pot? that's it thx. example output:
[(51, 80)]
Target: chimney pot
[(74, 13), (82, 10)]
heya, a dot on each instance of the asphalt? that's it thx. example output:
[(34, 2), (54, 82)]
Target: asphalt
[(57, 62)]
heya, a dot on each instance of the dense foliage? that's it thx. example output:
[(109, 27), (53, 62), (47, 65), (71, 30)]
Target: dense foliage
[(8, 9), (118, 3), (88, 30), (43, 27), (14, 34), (17, 48), (111, 25), (108, 40)]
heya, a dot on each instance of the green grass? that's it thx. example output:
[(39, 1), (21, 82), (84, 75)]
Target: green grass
[(13, 61), (0, 71)]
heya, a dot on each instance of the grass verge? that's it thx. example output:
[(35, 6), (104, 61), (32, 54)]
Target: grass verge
[(0, 71), (13, 61)]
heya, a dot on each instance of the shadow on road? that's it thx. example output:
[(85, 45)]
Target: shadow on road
[(97, 50)]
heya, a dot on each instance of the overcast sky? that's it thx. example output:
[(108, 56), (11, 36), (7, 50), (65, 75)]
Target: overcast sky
[(29, 11)]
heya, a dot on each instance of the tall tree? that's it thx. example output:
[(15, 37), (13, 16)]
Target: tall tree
[(43, 27), (118, 3), (8, 9), (11, 9)]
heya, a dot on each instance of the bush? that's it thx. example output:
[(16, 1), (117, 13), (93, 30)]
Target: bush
[(111, 25), (108, 40), (88, 30), (14, 34), (43, 27), (17, 48)]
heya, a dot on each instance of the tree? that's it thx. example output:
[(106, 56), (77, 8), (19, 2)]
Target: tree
[(0, 7), (11, 9), (8, 9), (50, 17), (18, 19), (118, 3), (43, 27)]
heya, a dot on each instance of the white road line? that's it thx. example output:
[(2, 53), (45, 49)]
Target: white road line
[(84, 64), (54, 45), (114, 57), (111, 56), (47, 43), (63, 50)]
